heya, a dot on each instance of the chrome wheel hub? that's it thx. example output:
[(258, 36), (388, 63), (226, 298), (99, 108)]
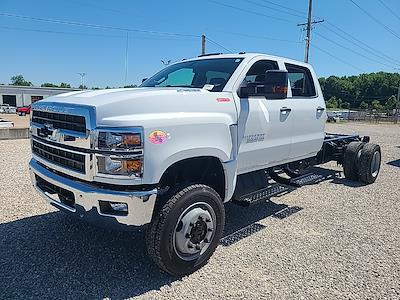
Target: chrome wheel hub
[(375, 164), (194, 231)]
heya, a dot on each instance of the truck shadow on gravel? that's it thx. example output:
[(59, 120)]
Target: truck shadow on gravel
[(53, 256)]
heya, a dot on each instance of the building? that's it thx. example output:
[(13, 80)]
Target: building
[(25, 95)]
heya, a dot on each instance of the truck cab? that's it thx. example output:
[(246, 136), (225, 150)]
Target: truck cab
[(166, 156)]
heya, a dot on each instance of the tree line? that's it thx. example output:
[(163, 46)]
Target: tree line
[(365, 91)]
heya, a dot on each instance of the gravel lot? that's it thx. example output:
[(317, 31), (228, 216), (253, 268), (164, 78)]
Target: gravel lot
[(336, 239)]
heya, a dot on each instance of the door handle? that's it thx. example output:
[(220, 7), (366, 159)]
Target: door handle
[(285, 109), (320, 108)]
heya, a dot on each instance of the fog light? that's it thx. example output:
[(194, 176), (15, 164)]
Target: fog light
[(113, 208), (120, 207)]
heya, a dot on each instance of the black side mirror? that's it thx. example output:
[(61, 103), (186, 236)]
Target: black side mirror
[(276, 84), (243, 91), (144, 79)]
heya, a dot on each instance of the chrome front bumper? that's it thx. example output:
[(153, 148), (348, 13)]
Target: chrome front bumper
[(87, 199)]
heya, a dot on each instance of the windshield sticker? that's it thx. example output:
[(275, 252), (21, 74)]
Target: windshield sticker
[(158, 137), (208, 87)]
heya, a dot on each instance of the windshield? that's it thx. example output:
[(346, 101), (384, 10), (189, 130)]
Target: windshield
[(212, 74)]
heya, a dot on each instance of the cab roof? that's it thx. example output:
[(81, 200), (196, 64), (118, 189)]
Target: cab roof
[(248, 56)]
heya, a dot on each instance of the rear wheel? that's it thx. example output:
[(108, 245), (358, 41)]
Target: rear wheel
[(186, 231), (351, 160), (370, 163)]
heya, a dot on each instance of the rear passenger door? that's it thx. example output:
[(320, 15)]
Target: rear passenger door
[(308, 112)]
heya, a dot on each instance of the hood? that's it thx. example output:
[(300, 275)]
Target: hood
[(121, 107)]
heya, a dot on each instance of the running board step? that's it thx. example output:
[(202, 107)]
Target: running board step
[(262, 194), (309, 178)]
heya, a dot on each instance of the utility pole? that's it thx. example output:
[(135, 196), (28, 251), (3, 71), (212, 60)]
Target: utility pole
[(203, 44), (82, 79), (308, 38), (308, 30)]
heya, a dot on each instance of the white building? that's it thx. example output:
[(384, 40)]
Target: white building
[(24, 95)]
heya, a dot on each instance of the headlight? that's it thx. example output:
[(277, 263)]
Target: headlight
[(121, 152), (120, 166), (119, 141)]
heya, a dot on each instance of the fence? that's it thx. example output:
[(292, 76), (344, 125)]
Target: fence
[(366, 115)]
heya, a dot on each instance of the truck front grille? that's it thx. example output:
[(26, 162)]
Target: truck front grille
[(60, 121), (60, 157)]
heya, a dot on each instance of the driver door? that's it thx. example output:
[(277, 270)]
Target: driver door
[(264, 124)]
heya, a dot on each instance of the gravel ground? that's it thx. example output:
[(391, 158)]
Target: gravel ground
[(337, 239)]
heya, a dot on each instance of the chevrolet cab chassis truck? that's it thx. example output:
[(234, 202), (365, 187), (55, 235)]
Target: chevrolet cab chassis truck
[(168, 155)]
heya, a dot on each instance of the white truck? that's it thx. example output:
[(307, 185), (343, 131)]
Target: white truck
[(166, 156)]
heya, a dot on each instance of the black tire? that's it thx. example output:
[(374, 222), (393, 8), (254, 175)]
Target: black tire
[(160, 234), (370, 162), (351, 161)]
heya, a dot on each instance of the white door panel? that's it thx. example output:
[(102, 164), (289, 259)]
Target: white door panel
[(266, 133), (308, 126)]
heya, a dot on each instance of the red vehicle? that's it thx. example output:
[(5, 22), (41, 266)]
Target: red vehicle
[(22, 111)]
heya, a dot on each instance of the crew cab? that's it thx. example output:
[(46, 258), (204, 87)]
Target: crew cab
[(166, 156)]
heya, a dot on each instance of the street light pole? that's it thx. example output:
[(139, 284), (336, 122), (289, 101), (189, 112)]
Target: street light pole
[(82, 80)]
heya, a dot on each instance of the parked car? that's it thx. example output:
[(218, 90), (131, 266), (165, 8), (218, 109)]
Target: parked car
[(6, 124), (168, 155), (22, 111), (7, 109)]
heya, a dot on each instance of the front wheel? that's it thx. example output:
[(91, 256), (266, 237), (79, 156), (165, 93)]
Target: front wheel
[(186, 231)]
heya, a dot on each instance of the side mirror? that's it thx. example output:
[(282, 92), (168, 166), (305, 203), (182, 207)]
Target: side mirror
[(243, 91), (276, 84), (144, 79)]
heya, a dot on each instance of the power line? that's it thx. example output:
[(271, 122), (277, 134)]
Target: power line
[(351, 50), (275, 9), (352, 39), (376, 20), (288, 8), (258, 37), (250, 11), (389, 9), (85, 34), (338, 58), (97, 26), (218, 44), (366, 47)]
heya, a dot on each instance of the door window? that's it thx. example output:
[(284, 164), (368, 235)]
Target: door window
[(301, 81), (255, 77)]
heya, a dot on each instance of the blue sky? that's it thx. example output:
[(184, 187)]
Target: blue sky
[(54, 52)]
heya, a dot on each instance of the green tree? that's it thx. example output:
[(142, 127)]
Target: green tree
[(47, 84), (82, 87), (130, 86), (19, 80), (346, 105), (376, 105), (332, 103), (64, 85), (364, 105), (391, 103)]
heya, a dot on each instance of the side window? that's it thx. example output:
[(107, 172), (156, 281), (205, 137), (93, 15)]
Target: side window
[(255, 77), (301, 81)]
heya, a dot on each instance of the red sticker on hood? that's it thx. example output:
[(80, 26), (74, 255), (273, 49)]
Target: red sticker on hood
[(223, 99)]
